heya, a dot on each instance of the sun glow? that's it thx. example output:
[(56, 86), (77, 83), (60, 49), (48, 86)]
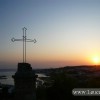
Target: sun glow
[(96, 60)]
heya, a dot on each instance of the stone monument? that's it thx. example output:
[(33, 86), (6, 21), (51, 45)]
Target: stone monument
[(24, 78)]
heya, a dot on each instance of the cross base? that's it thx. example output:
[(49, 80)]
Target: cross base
[(25, 82)]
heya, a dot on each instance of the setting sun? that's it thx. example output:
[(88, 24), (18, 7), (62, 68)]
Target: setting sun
[(96, 60)]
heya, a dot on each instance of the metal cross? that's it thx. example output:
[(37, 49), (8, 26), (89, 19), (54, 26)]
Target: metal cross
[(24, 39)]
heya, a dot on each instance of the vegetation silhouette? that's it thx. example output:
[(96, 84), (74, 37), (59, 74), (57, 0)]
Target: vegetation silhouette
[(59, 86)]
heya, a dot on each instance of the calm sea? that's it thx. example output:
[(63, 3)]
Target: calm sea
[(9, 80)]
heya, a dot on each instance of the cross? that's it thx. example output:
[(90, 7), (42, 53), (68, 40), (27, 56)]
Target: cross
[(24, 39)]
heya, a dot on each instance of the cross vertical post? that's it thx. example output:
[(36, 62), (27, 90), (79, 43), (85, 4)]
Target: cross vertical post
[(23, 46)]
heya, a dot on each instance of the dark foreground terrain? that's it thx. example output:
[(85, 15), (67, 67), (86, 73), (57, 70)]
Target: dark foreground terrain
[(60, 83)]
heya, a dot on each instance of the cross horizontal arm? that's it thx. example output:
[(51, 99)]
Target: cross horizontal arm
[(27, 40), (13, 39)]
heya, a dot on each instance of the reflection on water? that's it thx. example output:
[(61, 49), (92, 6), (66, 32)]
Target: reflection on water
[(10, 80)]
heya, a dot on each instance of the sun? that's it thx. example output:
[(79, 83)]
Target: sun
[(96, 60)]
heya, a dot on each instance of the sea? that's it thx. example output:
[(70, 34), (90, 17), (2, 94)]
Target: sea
[(8, 80)]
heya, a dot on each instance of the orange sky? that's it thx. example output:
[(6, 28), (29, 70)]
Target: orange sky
[(67, 32)]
